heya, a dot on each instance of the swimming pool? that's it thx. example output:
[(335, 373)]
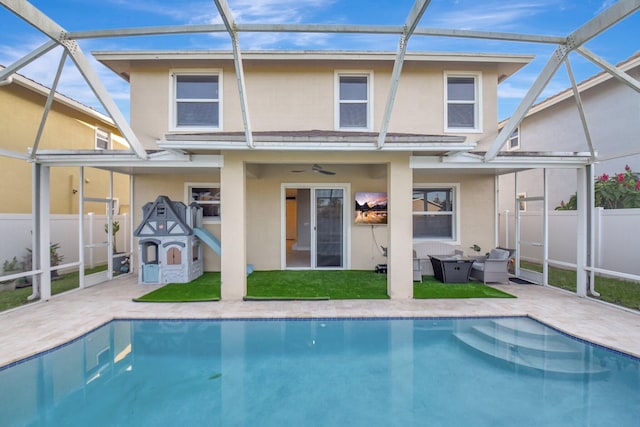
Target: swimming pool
[(322, 372)]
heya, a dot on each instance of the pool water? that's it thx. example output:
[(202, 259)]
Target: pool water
[(358, 372)]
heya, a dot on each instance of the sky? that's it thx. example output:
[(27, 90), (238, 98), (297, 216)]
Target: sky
[(542, 17)]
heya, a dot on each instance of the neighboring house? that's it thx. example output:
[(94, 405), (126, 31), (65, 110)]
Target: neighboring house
[(70, 125), (612, 112)]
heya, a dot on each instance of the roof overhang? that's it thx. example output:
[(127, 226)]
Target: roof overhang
[(128, 163), (503, 163), (317, 141), (122, 62)]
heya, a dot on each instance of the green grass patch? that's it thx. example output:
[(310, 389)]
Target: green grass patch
[(620, 292), (316, 284), (430, 288), (204, 288), (63, 283)]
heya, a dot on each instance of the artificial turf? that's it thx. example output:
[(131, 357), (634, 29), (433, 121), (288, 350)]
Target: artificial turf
[(432, 288), (285, 285), (316, 284), (204, 288)]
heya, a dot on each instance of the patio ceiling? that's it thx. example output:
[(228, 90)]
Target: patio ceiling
[(67, 39)]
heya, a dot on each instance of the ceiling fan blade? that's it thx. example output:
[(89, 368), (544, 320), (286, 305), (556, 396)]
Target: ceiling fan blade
[(325, 172)]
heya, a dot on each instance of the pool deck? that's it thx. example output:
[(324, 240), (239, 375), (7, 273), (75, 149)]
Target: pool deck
[(41, 326)]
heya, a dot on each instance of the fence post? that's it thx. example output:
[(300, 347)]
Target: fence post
[(90, 215)]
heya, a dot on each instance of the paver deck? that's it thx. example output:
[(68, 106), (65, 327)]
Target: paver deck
[(44, 325)]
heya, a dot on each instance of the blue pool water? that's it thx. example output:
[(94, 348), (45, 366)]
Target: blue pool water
[(390, 372)]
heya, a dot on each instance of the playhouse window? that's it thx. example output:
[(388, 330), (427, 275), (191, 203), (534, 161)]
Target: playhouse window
[(207, 196), (174, 256)]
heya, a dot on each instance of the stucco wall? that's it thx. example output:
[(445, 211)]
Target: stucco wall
[(368, 172), (301, 96)]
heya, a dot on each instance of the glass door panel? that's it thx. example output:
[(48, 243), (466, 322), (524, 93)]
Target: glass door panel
[(329, 236)]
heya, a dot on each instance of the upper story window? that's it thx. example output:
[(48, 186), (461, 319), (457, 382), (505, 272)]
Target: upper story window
[(207, 195), (435, 211), (103, 139), (513, 143), (462, 98), (197, 100), (353, 111)]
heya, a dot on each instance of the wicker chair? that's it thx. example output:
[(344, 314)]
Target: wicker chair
[(492, 268)]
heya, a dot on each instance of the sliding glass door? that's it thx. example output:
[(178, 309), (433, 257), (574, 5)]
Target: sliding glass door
[(314, 230)]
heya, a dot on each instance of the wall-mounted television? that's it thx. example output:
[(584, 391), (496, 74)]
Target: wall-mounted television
[(371, 208)]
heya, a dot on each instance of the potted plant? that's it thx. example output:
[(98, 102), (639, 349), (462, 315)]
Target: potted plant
[(54, 259), (10, 267)]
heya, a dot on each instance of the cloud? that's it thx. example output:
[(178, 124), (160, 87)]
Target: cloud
[(72, 84), (489, 15)]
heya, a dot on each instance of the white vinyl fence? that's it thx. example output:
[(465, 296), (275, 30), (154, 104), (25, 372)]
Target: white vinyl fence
[(15, 234), (617, 237)]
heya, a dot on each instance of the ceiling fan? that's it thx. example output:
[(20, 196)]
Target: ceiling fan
[(317, 169)]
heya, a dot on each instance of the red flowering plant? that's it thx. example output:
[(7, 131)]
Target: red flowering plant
[(619, 191)]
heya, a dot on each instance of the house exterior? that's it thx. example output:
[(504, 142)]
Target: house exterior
[(612, 113), (287, 192), (69, 124)]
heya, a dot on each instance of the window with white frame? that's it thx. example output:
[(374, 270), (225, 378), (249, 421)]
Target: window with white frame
[(207, 196), (462, 97), (435, 212), (196, 100), (354, 101), (103, 139), (513, 143)]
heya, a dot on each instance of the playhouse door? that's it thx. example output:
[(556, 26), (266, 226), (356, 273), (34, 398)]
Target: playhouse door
[(151, 273)]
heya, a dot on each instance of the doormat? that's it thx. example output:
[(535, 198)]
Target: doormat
[(520, 281)]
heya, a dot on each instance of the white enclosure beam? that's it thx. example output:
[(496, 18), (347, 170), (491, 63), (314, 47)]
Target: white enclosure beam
[(13, 154), (582, 230), (583, 117), (416, 13), (230, 25), (601, 22), (530, 97), (42, 22), (313, 28), (48, 104), (611, 69), (27, 59), (576, 39)]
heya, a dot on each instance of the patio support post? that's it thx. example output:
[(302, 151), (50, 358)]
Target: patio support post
[(581, 236), (44, 228), (400, 190), (545, 228), (233, 228)]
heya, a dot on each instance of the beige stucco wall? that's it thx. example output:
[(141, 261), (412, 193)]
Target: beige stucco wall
[(360, 172), (301, 96), (66, 128)]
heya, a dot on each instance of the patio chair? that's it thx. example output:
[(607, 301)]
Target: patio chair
[(492, 268)]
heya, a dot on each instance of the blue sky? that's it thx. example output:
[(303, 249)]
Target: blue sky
[(544, 17)]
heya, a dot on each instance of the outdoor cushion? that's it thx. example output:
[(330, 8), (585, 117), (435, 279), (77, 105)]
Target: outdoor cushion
[(498, 254), (478, 265)]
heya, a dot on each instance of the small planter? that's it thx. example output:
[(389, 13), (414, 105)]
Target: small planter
[(9, 285), (120, 263)]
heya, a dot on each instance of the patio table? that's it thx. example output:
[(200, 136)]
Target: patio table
[(451, 268)]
